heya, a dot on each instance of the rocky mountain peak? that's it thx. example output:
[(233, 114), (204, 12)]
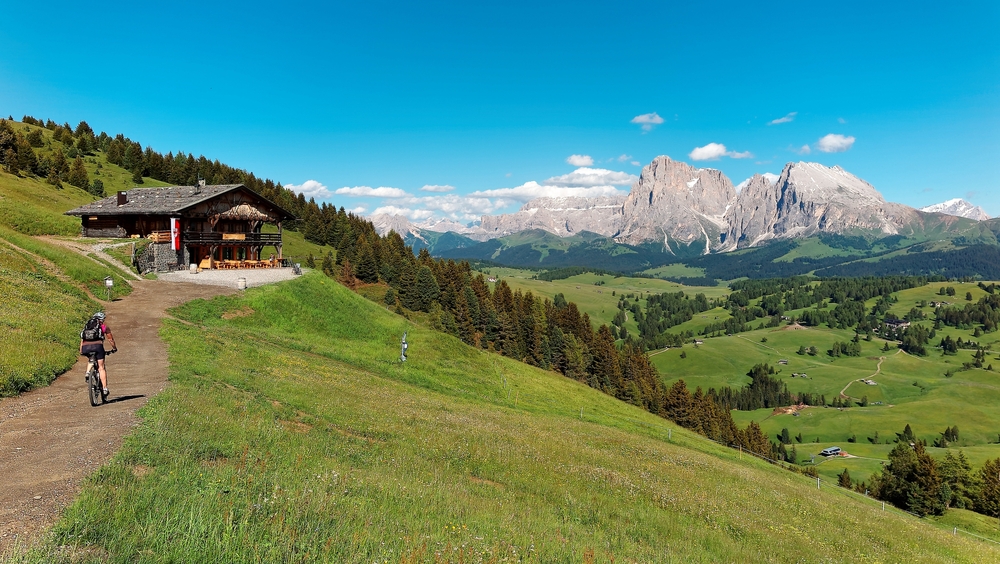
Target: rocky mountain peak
[(384, 223), (958, 207), (561, 216), (808, 198), (676, 203)]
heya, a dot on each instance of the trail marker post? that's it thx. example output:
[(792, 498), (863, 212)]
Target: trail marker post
[(108, 284), (402, 349)]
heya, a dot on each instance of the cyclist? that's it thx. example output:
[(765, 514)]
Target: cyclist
[(92, 341)]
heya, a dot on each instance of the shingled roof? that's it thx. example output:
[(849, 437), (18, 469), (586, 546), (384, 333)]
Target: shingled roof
[(161, 201)]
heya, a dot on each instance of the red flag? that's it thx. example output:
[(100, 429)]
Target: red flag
[(175, 233)]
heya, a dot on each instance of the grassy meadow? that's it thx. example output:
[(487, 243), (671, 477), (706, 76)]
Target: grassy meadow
[(291, 433), (912, 390), (597, 294), (40, 318)]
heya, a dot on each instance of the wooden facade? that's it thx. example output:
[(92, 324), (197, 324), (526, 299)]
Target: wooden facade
[(220, 224)]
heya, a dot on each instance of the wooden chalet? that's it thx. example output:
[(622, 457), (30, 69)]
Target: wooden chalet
[(217, 226)]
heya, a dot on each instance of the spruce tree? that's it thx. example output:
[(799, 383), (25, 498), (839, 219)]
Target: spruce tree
[(328, 266), (78, 174), (427, 288), (366, 268), (988, 497), (10, 161), (844, 479)]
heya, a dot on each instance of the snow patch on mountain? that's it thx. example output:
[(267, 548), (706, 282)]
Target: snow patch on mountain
[(959, 207)]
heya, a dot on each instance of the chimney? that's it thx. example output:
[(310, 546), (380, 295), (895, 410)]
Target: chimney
[(122, 197), (201, 183)]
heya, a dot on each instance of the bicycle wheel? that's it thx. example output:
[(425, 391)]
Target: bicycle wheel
[(95, 388)]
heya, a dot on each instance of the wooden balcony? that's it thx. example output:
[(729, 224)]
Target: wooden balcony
[(212, 238)]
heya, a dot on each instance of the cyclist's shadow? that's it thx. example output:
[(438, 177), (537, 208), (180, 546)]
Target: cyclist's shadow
[(124, 398)]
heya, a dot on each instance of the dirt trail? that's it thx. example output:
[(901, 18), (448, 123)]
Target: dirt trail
[(878, 369), (51, 438), (86, 249)]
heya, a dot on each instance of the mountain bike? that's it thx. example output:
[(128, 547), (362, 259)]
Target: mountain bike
[(93, 377)]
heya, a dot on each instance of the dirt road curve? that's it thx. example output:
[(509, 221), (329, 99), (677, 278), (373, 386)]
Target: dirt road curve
[(51, 438)]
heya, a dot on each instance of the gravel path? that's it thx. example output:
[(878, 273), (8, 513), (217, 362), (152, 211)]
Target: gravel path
[(228, 278), (51, 438)]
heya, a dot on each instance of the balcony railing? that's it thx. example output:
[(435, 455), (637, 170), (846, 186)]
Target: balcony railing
[(212, 238)]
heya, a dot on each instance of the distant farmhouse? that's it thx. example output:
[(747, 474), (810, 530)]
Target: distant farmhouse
[(897, 323), (217, 226)]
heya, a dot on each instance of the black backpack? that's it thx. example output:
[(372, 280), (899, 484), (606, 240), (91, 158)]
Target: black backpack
[(92, 330)]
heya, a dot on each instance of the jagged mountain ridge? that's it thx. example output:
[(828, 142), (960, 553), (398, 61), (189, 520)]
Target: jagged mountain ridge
[(560, 216), (674, 201), (687, 210), (806, 199), (958, 207)]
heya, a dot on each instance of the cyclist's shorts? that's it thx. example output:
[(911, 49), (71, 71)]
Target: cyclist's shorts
[(95, 348)]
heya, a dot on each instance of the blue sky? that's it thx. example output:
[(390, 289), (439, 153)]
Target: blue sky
[(457, 109)]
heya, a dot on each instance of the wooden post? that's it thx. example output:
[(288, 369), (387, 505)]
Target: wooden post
[(279, 241)]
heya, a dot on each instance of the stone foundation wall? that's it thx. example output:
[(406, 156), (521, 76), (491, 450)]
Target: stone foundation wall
[(114, 232), (159, 257)]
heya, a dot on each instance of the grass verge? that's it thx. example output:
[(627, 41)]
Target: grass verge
[(292, 434)]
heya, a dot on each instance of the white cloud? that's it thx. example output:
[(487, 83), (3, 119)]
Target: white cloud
[(580, 160), (803, 150), (623, 157), (713, 151), (835, 143), (368, 191), (453, 206), (392, 210), (841, 120), (635, 163), (648, 121), (437, 188), (585, 177), (358, 210), (709, 152), (789, 117), (584, 181), (311, 189), (531, 190)]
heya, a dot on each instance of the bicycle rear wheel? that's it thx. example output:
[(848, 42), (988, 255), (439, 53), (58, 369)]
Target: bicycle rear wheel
[(94, 385)]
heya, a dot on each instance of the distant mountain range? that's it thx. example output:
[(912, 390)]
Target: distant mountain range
[(958, 207), (684, 211)]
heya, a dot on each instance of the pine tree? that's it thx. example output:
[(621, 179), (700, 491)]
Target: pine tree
[(956, 472), (10, 161), (59, 164), (328, 266), (427, 288), (844, 479), (346, 275), (78, 174), (53, 178), (366, 266), (988, 498)]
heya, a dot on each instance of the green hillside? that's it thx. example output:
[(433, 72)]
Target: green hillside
[(49, 290), (292, 433)]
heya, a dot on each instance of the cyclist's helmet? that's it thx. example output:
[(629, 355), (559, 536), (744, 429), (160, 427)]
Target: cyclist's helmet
[(99, 315)]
